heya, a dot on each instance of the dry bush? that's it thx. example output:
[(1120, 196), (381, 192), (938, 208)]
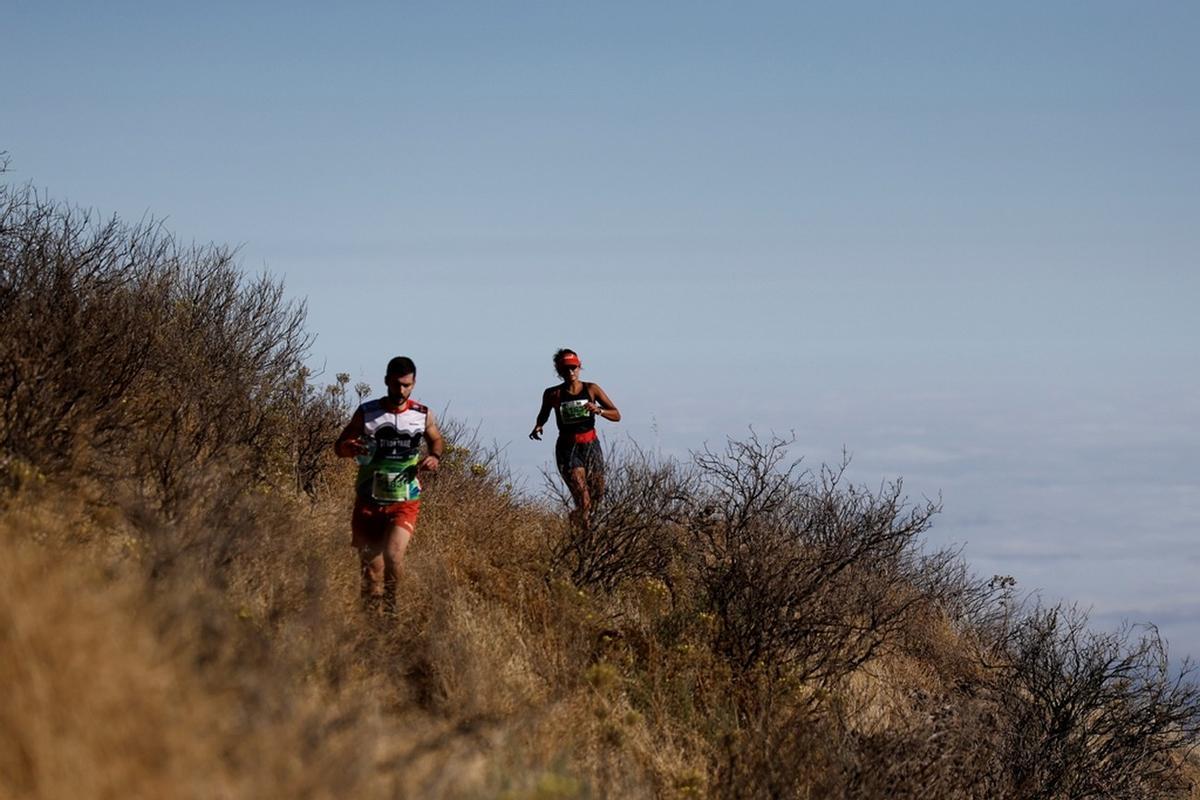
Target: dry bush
[(225, 359), (957, 624), (307, 421), (945, 748), (981, 610), (78, 299), (1093, 714), (635, 529), (124, 354), (473, 484), (805, 575), (786, 752), (929, 745)]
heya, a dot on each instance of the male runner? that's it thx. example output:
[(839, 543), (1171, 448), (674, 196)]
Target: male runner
[(576, 405), (385, 435)]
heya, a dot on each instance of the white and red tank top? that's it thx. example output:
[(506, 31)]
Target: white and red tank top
[(394, 439)]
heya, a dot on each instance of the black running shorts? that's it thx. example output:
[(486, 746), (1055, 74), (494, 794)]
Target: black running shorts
[(571, 455)]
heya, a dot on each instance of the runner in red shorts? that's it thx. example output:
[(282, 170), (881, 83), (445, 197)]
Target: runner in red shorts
[(576, 405), (386, 435)]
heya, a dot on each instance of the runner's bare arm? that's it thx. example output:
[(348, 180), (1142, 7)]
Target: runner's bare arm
[(436, 444), (350, 442), (603, 407), (543, 414)]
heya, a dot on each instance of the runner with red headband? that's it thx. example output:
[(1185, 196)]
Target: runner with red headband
[(576, 405)]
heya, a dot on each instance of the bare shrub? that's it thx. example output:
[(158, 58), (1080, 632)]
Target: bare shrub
[(632, 529), (124, 353), (304, 422), (469, 463), (923, 742), (473, 497), (224, 361), (981, 609), (804, 573), (78, 300), (308, 421), (1094, 714), (945, 747), (773, 755)]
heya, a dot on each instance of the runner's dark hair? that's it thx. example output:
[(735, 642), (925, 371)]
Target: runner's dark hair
[(401, 365), (558, 357)]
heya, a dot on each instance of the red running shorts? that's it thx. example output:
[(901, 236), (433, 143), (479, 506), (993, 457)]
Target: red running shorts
[(371, 522)]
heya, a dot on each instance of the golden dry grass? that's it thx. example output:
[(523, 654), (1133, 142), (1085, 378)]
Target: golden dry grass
[(135, 666), (272, 683)]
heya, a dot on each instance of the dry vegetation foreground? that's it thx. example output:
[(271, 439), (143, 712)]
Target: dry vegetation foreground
[(224, 654), (179, 602)]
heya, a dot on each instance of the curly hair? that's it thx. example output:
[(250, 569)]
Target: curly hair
[(558, 357)]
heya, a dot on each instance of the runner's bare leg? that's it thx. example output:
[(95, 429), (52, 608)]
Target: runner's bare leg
[(393, 558), (577, 483), (595, 484), (381, 568), (371, 565)]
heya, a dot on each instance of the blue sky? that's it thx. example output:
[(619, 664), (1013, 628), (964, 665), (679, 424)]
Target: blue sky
[(959, 242)]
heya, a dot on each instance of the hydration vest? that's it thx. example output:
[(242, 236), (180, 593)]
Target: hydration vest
[(394, 438)]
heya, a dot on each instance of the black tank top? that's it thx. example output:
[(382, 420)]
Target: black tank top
[(570, 411)]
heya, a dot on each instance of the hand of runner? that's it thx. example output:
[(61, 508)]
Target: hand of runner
[(430, 463), (595, 408), (536, 433)]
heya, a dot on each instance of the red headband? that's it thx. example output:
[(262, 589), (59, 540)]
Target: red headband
[(569, 359)]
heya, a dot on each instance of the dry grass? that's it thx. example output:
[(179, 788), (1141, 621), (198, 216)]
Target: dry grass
[(131, 674)]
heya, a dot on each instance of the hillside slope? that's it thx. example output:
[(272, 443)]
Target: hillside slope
[(179, 602)]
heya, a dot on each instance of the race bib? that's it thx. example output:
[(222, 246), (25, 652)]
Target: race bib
[(574, 410), (395, 487)]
